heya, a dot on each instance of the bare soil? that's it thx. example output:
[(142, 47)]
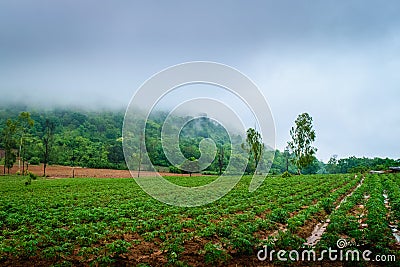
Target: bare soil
[(56, 171)]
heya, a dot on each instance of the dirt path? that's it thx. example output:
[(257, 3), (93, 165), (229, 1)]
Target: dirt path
[(393, 224), (320, 228)]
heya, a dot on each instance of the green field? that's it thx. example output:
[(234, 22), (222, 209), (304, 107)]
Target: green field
[(113, 222)]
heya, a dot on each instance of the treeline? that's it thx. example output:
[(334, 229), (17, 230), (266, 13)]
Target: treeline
[(93, 139), (63, 137), (354, 165)]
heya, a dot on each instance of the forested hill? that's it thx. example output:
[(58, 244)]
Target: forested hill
[(94, 139)]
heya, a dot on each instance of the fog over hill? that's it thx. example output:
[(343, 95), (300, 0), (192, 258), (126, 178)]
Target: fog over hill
[(336, 60)]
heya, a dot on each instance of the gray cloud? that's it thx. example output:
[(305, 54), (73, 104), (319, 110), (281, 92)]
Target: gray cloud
[(338, 60)]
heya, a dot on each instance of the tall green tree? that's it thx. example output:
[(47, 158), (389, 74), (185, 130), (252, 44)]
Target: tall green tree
[(47, 140), (303, 135), (115, 153), (286, 154), (190, 165), (24, 124), (255, 145), (220, 159), (9, 143), (332, 166), (141, 146)]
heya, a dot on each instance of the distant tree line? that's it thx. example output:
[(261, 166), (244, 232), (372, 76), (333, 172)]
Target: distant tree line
[(93, 139), (354, 164), (63, 137)]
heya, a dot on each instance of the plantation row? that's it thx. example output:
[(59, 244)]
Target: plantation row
[(365, 220), (106, 221)]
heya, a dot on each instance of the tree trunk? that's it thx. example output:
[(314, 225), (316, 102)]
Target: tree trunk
[(5, 161), (140, 155), (138, 173), (47, 140), (255, 169), (23, 160), (19, 156), (287, 164), (221, 160)]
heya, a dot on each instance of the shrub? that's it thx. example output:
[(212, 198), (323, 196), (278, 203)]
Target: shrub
[(174, 169), (32, 176), (28, 180), (286, 174), (34, 161)]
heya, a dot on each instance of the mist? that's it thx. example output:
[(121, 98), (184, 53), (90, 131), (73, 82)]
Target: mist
[(339, 61)]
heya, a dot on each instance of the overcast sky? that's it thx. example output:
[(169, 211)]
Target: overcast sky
[(337, 60)]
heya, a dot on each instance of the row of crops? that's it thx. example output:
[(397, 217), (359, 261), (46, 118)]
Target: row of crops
[(112, 221), (365, 220)]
